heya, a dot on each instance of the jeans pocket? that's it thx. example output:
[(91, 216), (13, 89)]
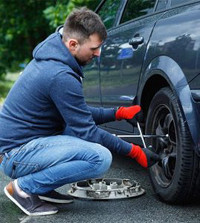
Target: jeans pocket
[(20, 169)]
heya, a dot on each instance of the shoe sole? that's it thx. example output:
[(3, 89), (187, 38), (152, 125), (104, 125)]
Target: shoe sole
[(24, 210), (55, 200)]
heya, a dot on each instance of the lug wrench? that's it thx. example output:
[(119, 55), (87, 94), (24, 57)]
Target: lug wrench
[(141, 135), (145, 136)]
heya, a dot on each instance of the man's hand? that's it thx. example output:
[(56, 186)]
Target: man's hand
[(137, 118), (145, 157), (127, 112)]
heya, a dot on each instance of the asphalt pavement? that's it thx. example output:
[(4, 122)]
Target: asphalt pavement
[(143, 209)]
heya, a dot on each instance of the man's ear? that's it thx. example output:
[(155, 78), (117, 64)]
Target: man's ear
[(72, 45)]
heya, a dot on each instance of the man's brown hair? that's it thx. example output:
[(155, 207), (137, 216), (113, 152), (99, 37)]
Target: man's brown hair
[(82, 23)]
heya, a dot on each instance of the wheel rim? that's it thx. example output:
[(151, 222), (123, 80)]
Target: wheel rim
[(163, 124)]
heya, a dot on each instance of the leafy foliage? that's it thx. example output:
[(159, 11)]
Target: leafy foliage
[(57, 14), (23, 24)]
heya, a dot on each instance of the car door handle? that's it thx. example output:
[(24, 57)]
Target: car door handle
[(135, 41), (126, 98)]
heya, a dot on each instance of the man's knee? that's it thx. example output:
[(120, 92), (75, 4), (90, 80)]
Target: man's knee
[(104, 161)]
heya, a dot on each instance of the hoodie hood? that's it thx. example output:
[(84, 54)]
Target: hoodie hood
[(52, 48)]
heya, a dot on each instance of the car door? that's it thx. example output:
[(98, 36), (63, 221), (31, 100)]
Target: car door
[(122, 56)]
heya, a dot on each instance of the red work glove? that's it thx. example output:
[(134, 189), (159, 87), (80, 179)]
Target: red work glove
[(144, 157), (127, 112)]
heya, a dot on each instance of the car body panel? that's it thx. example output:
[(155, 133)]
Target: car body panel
[(91, 83), (166, 68), (180, 44)]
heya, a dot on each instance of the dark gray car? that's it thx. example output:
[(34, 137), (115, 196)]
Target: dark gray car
[(151, 58)]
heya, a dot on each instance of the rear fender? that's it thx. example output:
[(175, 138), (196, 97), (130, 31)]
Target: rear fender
[(175, 78)]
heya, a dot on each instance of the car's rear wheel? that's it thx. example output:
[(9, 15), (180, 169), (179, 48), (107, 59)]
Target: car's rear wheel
[(173, 178)]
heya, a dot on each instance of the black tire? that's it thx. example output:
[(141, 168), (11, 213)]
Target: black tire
[(173, 178)]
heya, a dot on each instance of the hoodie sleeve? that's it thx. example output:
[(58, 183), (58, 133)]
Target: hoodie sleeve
[(102, 115), (67, 95)]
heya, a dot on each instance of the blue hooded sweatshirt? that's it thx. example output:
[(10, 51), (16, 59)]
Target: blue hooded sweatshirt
[(47, 99)]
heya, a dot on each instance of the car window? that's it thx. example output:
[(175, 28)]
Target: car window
[(137, 8), (177, 2), (108, 12)]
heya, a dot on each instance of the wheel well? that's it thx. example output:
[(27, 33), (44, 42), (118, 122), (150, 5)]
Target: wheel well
[(153, 85)]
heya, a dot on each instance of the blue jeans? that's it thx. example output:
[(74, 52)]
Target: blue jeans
[(45, 164)]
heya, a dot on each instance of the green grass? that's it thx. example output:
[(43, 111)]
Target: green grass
[(6, 83)]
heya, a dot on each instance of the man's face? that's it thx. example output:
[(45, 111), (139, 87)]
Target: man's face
[(89, 49)]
